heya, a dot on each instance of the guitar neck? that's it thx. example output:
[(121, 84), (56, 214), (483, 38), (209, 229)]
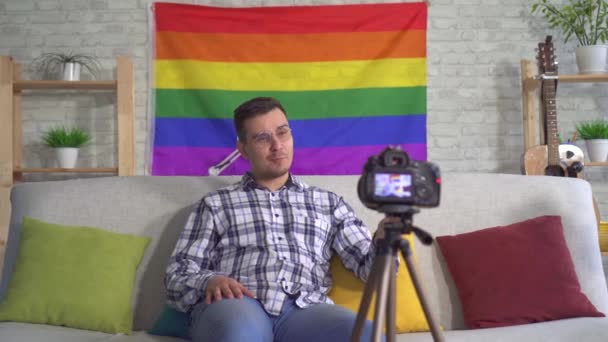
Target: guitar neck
[(548, 93)]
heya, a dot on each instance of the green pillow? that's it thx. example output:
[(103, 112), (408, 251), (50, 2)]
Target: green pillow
[(80, 277)]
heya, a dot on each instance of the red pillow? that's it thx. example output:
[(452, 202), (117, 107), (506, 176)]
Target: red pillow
[(515, 274)]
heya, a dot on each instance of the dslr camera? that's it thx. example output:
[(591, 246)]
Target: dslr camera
[(391, 182)]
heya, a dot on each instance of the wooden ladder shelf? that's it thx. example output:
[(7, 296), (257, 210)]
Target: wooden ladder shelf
[(12, 89)]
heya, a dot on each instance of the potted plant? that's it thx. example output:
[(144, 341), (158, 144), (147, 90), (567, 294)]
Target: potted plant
[(68, 64), (595, 134), (66, 143), (585, 20)]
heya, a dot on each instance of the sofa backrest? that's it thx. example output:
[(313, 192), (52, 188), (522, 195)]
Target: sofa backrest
[(473, 201), (158, 207)]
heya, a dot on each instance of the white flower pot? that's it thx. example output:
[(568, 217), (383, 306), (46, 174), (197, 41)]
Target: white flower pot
[(71, 72), (597, 149), (66, 157), (591, 59)]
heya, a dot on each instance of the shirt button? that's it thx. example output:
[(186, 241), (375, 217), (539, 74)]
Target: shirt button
[(280, 238), (276, 215)]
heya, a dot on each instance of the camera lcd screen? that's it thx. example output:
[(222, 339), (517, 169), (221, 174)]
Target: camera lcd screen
[(393, 185)]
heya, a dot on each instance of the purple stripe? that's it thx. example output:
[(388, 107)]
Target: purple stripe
[(195, 161)]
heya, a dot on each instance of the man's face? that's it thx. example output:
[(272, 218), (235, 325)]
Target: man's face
[(268, 145)]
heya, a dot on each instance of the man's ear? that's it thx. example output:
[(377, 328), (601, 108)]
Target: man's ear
[(241, 147)]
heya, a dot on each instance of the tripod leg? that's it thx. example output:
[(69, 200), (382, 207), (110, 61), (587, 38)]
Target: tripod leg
[(390, 307), (381, 297), (370, 287), (435, 330)]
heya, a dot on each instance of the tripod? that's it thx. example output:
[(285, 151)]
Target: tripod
[(382, 280)]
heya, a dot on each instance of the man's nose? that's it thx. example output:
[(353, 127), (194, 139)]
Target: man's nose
[(275, 143)]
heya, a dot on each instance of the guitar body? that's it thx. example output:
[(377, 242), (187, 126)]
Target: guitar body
[(536, 162)]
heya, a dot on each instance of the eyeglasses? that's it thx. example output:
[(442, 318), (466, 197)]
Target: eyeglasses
[(264, 139)]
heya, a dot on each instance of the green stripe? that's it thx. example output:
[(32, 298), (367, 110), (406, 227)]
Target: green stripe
[(196, 103)]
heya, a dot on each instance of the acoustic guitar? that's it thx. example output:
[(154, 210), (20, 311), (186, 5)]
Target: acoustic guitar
[(545, 159)]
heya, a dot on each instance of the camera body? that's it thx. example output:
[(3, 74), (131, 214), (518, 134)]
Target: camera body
[(392, 182)]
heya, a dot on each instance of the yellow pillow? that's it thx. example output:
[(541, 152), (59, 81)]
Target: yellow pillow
[(347, 291)]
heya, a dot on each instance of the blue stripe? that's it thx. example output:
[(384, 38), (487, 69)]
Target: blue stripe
[(359, 131)]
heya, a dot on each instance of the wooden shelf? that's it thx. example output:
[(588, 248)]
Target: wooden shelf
[(66, 85), (533, 133), (13, 89), (533, 120), (61, 170)]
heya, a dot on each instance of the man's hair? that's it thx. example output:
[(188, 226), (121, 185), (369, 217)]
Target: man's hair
[(252, 108)]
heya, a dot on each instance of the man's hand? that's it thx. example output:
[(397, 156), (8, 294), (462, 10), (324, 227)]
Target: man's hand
[(220, 287), (379, 234)]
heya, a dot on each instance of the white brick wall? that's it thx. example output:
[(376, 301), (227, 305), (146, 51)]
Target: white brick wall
[(474, 51)]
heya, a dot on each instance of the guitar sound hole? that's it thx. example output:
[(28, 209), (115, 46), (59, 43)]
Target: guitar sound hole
[(554, 170)]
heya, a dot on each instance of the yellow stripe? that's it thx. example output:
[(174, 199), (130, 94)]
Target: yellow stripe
[(189, 74)]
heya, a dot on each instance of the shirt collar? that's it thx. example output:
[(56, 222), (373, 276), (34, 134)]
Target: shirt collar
[(293, 183)]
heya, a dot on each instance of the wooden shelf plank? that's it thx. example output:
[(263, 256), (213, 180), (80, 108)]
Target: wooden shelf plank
[(6, 120), (69, 85), (584, 78), (531, 83), (61, 170), (17, 125), (596, 163), (126, 119)]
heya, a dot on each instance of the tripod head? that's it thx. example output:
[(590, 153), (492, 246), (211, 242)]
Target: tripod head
[(405, 225)]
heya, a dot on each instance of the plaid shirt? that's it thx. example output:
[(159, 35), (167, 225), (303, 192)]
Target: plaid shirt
[(277, 244)]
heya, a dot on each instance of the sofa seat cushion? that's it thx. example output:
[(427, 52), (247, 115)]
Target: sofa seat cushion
[(565, 330), (25, 332)]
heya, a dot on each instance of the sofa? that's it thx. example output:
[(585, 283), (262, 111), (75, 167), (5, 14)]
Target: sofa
[(157, 207)]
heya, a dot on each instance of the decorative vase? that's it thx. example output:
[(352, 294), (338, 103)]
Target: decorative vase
[(591, 59), (597, 149), (66, 157), (71, 71)]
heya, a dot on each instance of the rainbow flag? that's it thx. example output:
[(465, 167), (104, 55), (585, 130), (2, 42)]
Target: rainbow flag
[(351, 77)]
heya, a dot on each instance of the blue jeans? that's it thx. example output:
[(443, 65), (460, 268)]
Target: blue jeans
[(232, 320)]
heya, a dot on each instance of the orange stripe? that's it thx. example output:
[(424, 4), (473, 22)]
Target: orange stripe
[(291, 47)]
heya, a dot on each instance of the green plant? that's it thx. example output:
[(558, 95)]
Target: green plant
[(596, 129), (585, 19), (64, 137), (53, 61)]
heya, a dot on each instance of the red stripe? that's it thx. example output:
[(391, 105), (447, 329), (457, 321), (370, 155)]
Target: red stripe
[(291, 19)]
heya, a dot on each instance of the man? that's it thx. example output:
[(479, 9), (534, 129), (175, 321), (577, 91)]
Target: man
[(252, 263)]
